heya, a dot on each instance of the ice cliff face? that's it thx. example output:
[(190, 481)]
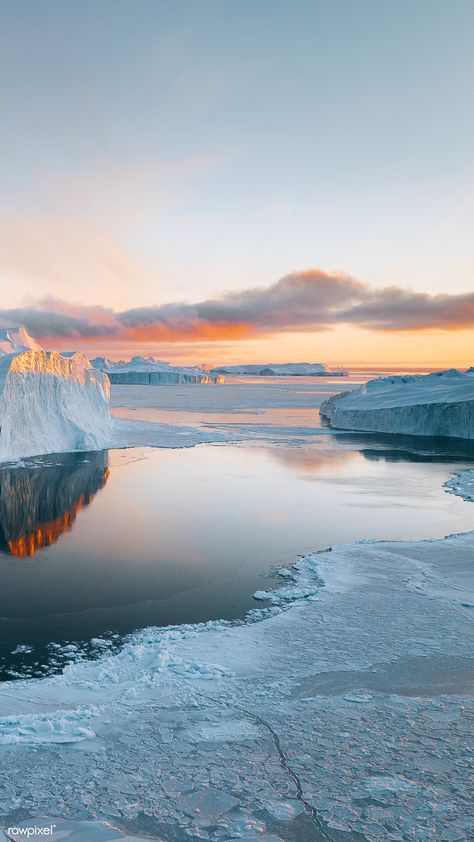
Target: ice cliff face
[(49, 402), (146, 370), (439, 404)]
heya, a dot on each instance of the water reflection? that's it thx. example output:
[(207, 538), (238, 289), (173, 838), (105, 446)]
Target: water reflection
[(400, 448), (187, 535), (38, 505), (309, 461)]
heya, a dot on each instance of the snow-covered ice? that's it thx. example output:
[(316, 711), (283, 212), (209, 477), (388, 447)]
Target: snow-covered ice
[(341, 712), (49, 402), (439, 404)]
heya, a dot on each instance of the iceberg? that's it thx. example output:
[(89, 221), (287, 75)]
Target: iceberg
[(49, 402), (146, 370), (438, 404), (282, 370)]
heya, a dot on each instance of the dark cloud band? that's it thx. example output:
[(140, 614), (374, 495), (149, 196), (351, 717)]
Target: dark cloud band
[(304, 301)]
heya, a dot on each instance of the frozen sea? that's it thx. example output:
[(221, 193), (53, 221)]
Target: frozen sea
[(210, 669)]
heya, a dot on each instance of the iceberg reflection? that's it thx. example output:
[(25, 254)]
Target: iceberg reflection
[(38, 505)]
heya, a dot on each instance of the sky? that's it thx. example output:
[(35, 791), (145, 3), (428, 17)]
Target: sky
[(240, 180)]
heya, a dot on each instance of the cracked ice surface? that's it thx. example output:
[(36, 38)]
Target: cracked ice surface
[(344, 713)]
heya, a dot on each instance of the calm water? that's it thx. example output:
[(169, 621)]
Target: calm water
[(95, 545)]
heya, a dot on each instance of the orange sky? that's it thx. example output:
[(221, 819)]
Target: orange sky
[(341, 346), (210, 187)]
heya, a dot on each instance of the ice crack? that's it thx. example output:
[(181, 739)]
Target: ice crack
[(283, 760)]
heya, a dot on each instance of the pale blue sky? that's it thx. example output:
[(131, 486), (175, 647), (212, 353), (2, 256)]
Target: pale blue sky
[(166, 150)]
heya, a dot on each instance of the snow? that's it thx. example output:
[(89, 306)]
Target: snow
[(49, 402), (347, 714), (144, 370), (439, 404), (281, 369)]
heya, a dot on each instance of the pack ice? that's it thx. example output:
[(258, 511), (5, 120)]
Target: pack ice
[(438, 404), (49, 402)]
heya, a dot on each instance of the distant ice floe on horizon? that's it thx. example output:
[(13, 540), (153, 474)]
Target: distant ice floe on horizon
[(49, 402), (281, 370), (438, 404)]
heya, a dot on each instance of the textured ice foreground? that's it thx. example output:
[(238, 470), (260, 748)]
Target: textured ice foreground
[(343, 713), (440, 404), (49, 402)]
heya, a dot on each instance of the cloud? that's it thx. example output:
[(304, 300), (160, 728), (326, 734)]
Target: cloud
[(312, 300)]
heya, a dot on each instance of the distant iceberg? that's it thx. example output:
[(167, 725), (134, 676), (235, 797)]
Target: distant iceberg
[(439, 404), (49, 402), (281, 370), (148, 370)]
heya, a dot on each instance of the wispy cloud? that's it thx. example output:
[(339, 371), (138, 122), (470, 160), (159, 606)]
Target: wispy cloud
[(312, 300)]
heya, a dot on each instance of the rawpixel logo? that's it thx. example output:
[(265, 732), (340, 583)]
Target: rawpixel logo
[(15, 833)]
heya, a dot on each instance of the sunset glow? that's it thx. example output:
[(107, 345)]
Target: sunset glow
[(218, 205)]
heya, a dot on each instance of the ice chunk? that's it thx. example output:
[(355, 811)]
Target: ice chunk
[(207, 804)]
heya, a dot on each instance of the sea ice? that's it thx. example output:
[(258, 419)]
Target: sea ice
[(349, 715)]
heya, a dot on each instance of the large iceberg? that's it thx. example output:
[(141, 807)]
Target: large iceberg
[(49, 402), (281, 370), (146, 370), (438, 404)]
